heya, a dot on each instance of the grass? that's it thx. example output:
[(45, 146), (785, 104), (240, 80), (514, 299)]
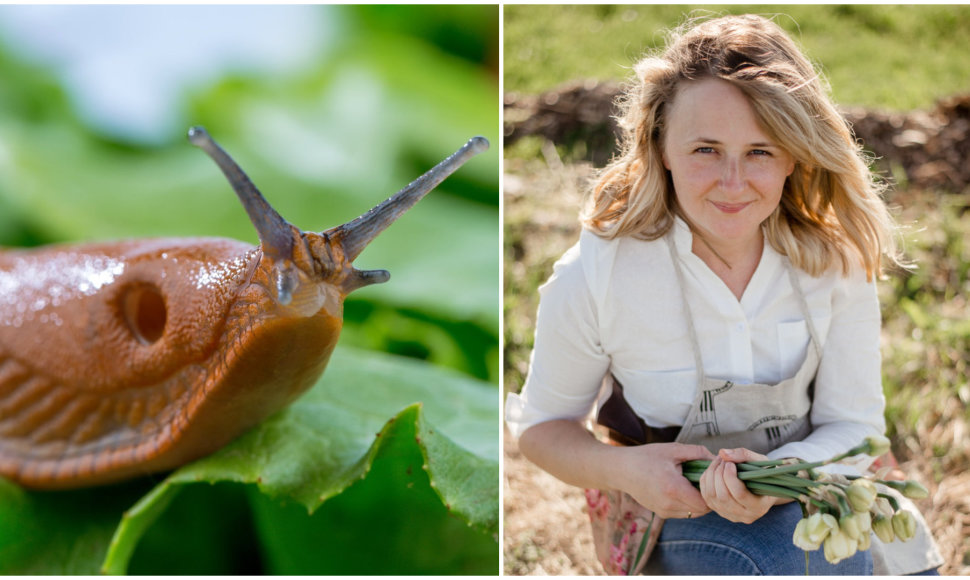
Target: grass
[(895, 57), (926, 332)]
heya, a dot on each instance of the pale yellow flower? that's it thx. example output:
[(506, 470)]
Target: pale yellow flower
[(819, 525), (801, 538), (861, 494), (883, 527), (839, 546), (915, 490), (904, 524), (865, 541), (883, 507), (878, 445), (851, 525)]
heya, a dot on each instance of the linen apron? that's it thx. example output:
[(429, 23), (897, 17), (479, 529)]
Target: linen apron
[(723, 415)]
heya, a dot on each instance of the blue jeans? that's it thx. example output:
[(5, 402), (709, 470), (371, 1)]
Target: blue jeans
[(711, 546)]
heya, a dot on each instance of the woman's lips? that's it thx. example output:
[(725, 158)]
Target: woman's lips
[(730, 207)]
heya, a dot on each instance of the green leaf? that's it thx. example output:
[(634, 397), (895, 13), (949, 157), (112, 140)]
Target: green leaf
[(326, 441), (59, 532), (392, 522), (367, 409)]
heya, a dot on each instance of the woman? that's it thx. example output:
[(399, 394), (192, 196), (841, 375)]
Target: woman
[(723, 293)]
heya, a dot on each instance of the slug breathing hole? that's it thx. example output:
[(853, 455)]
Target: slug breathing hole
[(145, 312)]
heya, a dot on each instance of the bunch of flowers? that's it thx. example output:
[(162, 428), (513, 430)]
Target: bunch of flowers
[(840, 511)]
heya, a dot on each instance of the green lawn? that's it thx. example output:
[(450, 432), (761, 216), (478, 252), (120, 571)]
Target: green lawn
[(895, 57)]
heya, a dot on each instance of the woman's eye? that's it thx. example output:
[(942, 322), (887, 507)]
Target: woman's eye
[(761, 152), (704, 150)]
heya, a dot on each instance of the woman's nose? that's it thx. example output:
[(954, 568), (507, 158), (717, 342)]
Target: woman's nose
[(732, 176)]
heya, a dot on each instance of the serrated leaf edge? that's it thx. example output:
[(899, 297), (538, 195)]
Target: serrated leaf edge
[(136, 521)]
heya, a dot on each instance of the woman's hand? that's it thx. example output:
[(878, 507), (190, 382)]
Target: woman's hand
[(729, 496), (653, 476)]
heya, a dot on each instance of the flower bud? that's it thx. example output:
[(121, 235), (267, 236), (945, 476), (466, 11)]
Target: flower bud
[(915, 490), (883, 507), (883, 527), (839, 546), (865, 541), (819, 525), (801, 538), (878, 445), (904, 524), (861, 494), (850, 526)]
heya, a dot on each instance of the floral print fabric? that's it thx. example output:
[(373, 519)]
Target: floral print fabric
[(624, 532)]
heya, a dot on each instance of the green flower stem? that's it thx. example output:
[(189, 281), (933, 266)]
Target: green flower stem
[(899, 486), (767, 463), (695, 465), (795, 468), (752, 471), (749, 467), (892, 501), (693, 476), (791, 481), (844, 509), (773, 490)]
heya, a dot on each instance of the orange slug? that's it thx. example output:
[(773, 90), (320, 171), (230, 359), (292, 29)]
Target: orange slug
[(126, 358)]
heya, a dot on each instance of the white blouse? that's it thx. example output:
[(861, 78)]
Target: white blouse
[(614, 306)]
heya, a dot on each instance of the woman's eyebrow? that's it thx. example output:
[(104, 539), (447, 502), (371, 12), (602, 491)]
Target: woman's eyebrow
[(710, 141)]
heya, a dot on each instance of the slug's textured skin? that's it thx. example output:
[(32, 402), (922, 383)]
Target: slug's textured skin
[(127, 358), (70, 415)]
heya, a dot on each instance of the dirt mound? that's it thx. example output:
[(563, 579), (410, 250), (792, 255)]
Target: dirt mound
[(924, 149)]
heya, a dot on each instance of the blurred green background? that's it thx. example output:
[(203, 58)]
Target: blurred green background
[(329, 109), (864, 50), (386, 94)]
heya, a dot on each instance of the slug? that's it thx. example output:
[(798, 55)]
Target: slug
[(127, 358)]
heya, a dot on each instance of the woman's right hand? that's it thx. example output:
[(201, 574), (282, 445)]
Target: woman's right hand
[(652, 474)]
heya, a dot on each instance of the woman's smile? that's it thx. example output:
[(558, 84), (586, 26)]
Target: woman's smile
[(731, 207)]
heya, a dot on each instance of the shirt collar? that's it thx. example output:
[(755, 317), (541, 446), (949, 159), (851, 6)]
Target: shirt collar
[(683, 237)]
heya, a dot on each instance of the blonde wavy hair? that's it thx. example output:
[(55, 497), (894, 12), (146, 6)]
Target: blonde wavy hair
[(831, 209)]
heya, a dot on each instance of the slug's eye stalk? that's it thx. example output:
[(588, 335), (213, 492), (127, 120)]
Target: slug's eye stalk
[(275, 233), (355, 235), (277, 236)]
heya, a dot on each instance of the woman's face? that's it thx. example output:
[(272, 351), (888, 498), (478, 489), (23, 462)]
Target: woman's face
[(728, 174)]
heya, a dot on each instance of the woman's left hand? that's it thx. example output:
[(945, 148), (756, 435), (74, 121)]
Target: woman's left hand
[(729, 496)]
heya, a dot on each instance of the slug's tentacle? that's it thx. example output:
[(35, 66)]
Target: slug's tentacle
[(275, 233), (361, 278), (277, 236), (355, 235)]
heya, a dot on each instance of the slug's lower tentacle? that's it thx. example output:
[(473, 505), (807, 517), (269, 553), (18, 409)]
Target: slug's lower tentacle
[(361, 278)]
